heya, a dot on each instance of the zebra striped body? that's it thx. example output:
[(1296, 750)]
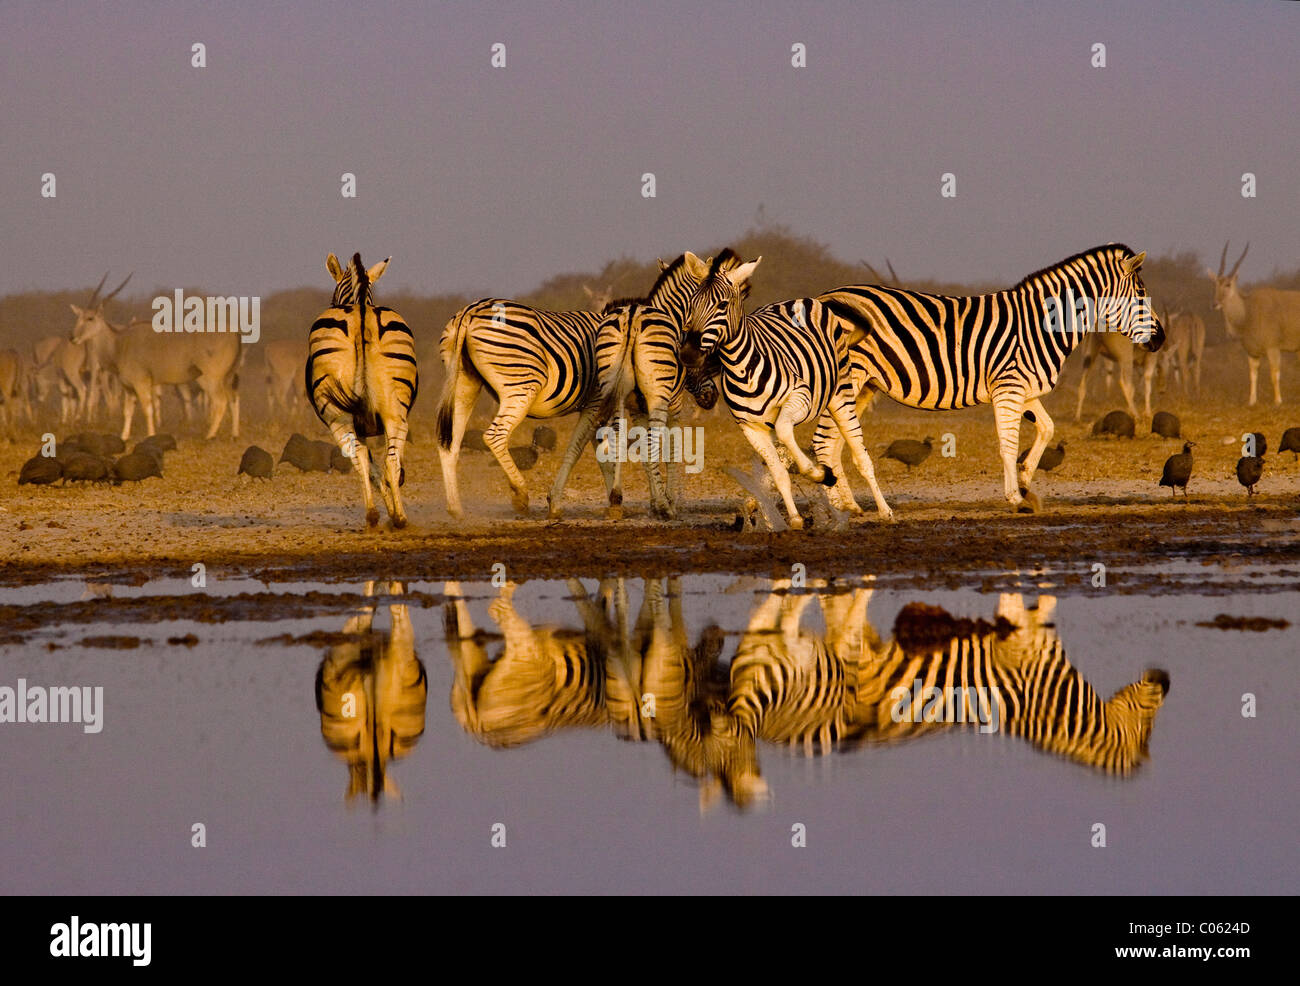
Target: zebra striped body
[(536, 364), (371, 693), (781, 365), (817, 694), (362, 379), (938, 352), (638, 350)]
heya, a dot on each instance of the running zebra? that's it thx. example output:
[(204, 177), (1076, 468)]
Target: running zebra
[(781, 365), (638, 350), (937, 352), (538, 364), (362, 380), (1010, 676)]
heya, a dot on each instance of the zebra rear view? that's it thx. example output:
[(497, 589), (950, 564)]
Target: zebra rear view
[(362, 379)]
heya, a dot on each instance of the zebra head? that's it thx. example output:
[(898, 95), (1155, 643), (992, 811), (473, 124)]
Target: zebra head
[(1125, 305), (353, 282), (718, 307), (90, 320)]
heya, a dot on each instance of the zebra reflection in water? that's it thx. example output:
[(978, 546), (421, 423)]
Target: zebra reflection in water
[(371, 693), (811, 691)]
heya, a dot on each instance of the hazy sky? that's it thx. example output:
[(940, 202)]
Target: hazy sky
[(488, 180)]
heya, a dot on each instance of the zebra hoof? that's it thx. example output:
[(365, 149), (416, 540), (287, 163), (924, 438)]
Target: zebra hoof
[(796, 523), (829, 478), (520, 503), (372, 517), (399, 522), (1030, 504)]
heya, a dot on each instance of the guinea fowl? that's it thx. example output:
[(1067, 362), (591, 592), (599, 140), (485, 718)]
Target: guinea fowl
[(137, 466), (81, 467), (1178, 470), (1291, 442), (909, 451), (1051, 458), (525, 457), (307, 455), (1117, 423), (1166, 425), (95, 443), (544, 438), (256, 462), (473, 441), (1256, 444), (40, 470), (1250, 468)]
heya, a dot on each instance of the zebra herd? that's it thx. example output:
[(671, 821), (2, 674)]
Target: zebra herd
[(806, 360)]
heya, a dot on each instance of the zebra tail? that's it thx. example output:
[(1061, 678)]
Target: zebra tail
[(453, 346), (622, 378)]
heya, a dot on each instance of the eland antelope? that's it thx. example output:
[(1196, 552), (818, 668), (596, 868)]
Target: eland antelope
[(1266, 321)]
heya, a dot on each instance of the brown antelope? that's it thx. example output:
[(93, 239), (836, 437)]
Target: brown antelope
[(12, 388), (145, 360), (1184, 349), (58, 365), (97, 346), (283, 374), (1117, 350), (1267, 321)]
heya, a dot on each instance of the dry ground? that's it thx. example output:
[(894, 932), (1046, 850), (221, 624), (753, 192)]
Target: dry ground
[(1103, 502)]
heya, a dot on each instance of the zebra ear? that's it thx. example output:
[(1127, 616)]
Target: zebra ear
[(740, 276), (377, 271), (698, 269), (663, 264), (1133, 264), (332, 264)]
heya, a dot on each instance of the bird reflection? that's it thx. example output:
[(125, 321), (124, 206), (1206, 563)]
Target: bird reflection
[(371, 692)]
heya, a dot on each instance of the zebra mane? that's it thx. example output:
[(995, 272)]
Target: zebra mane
[(724, 261), (664, 276), (362, 295), (618, 303), (1123, 249)]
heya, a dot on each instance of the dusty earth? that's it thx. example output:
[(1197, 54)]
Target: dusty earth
[(1102, 504)]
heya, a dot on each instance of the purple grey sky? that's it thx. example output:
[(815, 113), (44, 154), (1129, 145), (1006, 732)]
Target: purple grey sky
[(484, 180)]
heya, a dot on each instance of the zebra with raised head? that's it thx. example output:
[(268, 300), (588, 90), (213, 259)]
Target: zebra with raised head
[(538, 364), (1006, 349), (638, 350), (362, 379), (781, 365)]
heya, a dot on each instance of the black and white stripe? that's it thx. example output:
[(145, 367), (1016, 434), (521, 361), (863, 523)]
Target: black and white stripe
[(638, 351), (536, 363), (362, 379), (938, 352), (781, 366)]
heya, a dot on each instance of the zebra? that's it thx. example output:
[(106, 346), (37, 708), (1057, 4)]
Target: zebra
[(537, 363), (938, 352), (371, 693), (781, 365), (834, 692), (362, 379), (638, 348)]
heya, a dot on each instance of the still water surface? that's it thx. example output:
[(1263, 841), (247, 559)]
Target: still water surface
[(666, 735)]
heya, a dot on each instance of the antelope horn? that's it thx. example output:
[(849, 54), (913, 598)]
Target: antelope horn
[(113, 294), (1233, 273), (1223, 257), (95, 294), (892, 275), (871, 270)]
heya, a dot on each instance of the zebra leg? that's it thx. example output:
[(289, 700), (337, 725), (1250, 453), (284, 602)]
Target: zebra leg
[(761, 439), (1044, 429), (1253, 363), (1007, 409), (466, 393), (393, 474), (850, 429), (655, 468), (796, 409), (582, 434), (513, 410), (345, 437)]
